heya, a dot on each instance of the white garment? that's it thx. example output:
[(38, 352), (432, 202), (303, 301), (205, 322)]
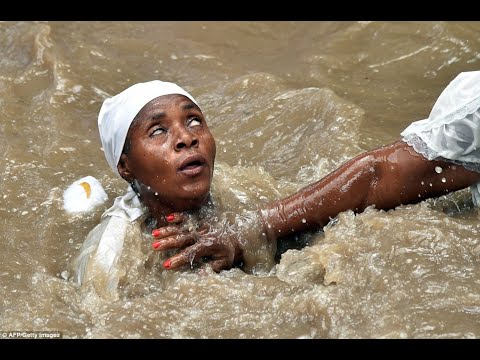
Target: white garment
[(127, 207), (452, 130), (97, 261)]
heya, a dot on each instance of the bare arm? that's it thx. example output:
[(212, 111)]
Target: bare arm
[(385, 177)]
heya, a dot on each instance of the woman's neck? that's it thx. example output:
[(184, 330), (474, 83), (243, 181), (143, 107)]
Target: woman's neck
[(159, 210)]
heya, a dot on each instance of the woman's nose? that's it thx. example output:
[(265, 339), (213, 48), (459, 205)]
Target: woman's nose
[(185, 139)]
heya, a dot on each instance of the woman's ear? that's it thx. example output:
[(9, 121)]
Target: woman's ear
[(124, 169)]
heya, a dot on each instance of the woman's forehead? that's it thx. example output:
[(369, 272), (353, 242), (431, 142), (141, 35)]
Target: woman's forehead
[(166, 101), (160, 107)]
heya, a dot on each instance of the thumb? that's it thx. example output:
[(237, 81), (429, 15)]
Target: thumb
[(220, 264)]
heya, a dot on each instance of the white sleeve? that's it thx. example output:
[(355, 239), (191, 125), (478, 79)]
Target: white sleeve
[(452, 130), (458, 140)]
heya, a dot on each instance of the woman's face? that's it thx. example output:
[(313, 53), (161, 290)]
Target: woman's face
[(172, 153)]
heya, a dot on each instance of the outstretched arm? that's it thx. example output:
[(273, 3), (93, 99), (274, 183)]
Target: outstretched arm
[(385, 177)]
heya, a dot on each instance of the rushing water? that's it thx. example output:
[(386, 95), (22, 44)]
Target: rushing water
[(287, 102)]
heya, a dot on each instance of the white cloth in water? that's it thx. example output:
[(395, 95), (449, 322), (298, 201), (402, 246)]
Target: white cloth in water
[(452, 130), (101, 251), (118, 112), (127, 207), (97, 261), (84, 195)]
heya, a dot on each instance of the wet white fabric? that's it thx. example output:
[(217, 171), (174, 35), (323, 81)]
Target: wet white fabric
[(118, 112), (114, 119), (84, 195), (452, 130), (114, 252), (99, 255), (127, 206), (97, 261)]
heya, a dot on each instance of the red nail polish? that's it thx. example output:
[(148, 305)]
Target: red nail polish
[(167, 264), (156, 244), (170, 217), (155, 232)]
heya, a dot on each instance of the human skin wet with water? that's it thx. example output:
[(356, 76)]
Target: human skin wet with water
[(170, 157), (385, 177)]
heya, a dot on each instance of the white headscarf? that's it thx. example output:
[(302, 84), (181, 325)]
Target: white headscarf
[(114, 119)]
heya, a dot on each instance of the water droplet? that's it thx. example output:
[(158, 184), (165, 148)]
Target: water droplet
[(269, 226), (444, 180), (438, 169), (430, 184), (304, 221), (65, 274), (148, 187), (419, 195), (421, 182), (156, 193)]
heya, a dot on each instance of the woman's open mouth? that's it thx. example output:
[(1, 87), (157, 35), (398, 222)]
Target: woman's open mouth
[(192, 165)]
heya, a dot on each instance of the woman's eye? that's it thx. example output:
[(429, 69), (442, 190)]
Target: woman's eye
[(158, 131), (194, 122)]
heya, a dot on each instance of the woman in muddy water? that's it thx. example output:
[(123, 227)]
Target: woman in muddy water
[(155, 136)]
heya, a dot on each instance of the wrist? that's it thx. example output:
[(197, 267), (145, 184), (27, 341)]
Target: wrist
[(267, 230), (254, 249)]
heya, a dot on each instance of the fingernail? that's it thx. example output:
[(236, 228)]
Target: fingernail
[(167, 264), (156, 244), (156, 232), (170, 217)]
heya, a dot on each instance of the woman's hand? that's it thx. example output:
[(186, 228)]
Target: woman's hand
[(176, 235), (217, 246)]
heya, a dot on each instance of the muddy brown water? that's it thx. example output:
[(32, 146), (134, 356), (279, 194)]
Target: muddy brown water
[(287, 102)]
